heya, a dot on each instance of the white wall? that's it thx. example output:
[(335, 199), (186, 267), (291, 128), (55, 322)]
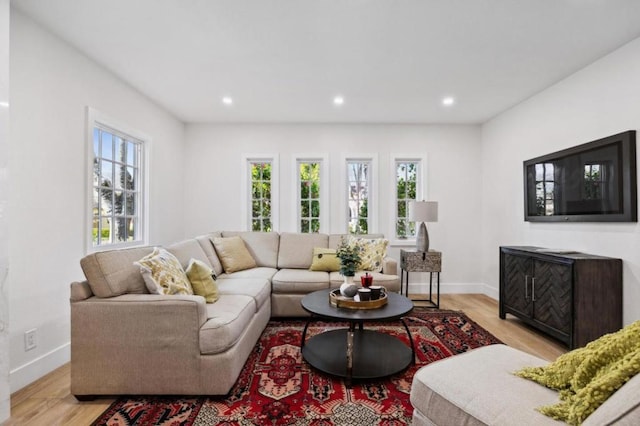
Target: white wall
[(600, 100), (52, 85), (213, 155), (4, 197)]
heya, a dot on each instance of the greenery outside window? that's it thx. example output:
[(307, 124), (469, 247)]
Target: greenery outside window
[(406, 175), (261, 200), (358, 190), (309, 196)]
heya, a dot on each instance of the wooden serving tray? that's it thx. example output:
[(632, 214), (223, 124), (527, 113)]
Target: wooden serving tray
[(339, 301)]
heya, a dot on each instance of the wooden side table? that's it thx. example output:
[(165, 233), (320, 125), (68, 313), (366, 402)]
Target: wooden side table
[(412, 260)]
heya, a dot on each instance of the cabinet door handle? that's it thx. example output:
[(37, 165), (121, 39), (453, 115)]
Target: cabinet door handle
[(533, 289), (526, 287)]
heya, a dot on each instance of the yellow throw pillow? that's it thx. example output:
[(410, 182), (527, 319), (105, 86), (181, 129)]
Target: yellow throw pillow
[(587, 376), (202, 282), (163, 273), (233, 254), (325, 259), (372, 252)]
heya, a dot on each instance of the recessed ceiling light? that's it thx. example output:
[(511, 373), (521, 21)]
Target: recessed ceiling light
[(4, 104), (338, 100), (448, 100), (227, 100)]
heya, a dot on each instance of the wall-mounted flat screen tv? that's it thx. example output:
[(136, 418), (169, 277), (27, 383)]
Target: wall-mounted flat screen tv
[(593, 182)]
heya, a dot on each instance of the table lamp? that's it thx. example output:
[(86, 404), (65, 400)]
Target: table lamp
[(423, 211)]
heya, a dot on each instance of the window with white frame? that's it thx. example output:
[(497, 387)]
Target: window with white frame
[(117, 190), (407, 173), (358, 195), (309, 190), (261, 200)]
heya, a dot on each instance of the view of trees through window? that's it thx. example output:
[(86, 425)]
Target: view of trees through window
[(406, 179), (309, 179), (116, 188), (358, 187), (261, 196)]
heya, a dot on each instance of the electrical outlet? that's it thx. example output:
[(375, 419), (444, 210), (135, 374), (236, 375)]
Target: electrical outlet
[(30, 341)]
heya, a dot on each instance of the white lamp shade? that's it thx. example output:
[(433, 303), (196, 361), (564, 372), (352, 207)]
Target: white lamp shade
[(423, 211)]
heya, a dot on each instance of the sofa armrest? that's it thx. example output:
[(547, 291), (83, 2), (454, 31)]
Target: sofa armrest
[(125, 338), (389, 266)]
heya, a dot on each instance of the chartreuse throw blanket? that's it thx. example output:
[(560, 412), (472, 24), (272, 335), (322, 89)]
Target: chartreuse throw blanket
[(587, 376)]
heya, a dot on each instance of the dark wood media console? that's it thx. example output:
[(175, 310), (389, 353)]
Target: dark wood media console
[(574, 297)]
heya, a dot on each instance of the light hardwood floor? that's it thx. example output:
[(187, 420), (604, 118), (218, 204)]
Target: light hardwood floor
[(48, 402)]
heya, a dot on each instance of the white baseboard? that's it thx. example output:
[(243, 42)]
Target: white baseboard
[(455, 288), (37, 368)]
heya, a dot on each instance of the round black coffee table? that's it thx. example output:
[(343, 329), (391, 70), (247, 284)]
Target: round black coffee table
[(355, 353)]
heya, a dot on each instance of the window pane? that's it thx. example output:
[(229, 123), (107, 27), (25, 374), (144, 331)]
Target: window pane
[(130, 204), (304, 225), (107, 145), (118, 202), (120, 230), (95, 230), (131, 154), (304, 189), (255, 209), (266, 190), (315, 225), (120, 177), (304, 208), (315, 208), (266, 225), (266, 208), (402, 209), (106, 201), (131, 179), (106, 171), (255, 225), (120, 149)]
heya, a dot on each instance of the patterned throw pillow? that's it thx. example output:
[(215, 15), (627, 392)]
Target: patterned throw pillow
[(372, 251), (325, 259), (163, 274), (202, 282)]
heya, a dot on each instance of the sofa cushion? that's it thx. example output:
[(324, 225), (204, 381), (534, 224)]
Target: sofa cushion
[(259, 272), (201, 279), (186, 250), (263, 246), (233, 254), (296, 249), (163, 273), (226, 321), (299, 281), (324, 259), (256, 288), (112, 273), (478, 387)]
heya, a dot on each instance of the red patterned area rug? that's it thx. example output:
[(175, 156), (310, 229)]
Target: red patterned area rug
[(277, 387)]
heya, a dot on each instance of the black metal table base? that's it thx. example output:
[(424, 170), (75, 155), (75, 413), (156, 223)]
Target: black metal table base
[(355, 353), (404, 288)]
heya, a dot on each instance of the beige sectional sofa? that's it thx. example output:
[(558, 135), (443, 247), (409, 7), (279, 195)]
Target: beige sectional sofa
[(127, 341)]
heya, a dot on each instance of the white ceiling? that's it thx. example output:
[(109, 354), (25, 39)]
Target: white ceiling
[(392, 60)]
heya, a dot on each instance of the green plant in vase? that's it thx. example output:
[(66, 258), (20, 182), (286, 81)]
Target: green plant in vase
[(349, 255)]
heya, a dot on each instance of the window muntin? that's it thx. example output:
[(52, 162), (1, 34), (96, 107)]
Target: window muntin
[(358, 187), (406, 180), (261, 198), (116, 188), (309, 187)]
